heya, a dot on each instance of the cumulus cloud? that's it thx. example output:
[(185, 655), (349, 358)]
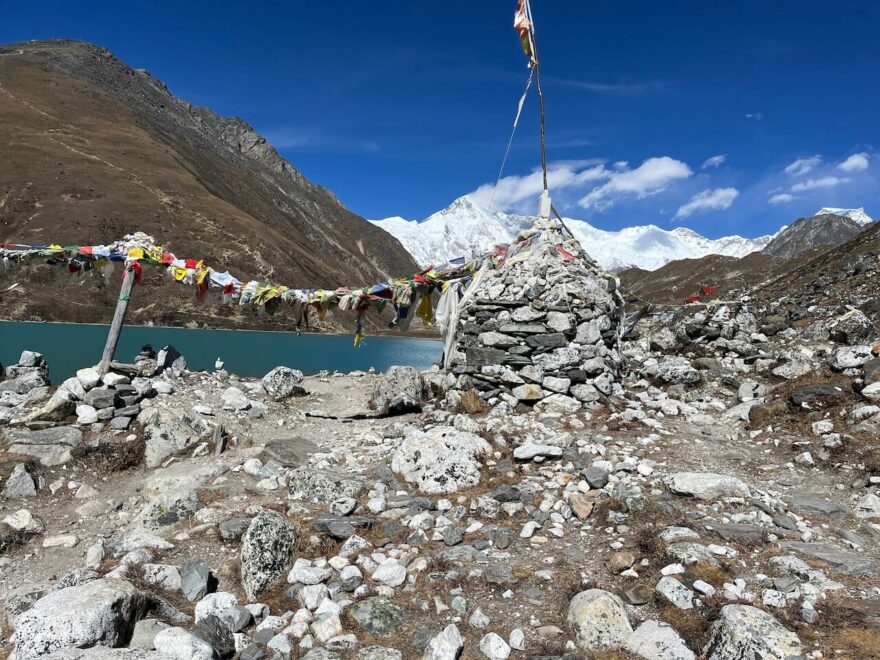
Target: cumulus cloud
[(714, 161), (855, 163), (511, 190), (651, 177), (781, 198), (813, 184), (714, 199), (803, 165)]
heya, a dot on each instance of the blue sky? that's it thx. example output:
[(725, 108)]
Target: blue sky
[(724, 117)]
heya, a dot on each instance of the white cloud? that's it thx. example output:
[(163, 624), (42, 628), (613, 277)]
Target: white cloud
[(651, 177), (803, 165), (781, 198), (714, 161), (512, 190), (813, 184), (757, 116), (855, 163), (714, 199)]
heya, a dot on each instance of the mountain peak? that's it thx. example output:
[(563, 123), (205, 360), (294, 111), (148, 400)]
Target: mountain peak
[(857, 215), (465, 228)]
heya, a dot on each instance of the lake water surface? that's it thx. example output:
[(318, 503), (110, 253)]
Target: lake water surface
[(72, 346)]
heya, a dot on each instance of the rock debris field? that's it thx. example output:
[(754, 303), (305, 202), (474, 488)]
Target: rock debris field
[(721, 504)]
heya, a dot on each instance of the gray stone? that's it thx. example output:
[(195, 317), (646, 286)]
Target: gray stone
[(706, 485), (51, 447), (166, 509), (441, 460), (657, 640), (398, 390), (265, 551), (845, 561), (145, 632), (673, 369), (177, 643), (530, 451), (100, 397), (216, 633), (742, 631), (598, 619), (596, 477), (378, 653), (195, 579), (377, 615), (232, 529), (283, 382), (20, 483), (809, 504), (235, 399), (168, 431), (322, 486), (675, 592), (99, 612)]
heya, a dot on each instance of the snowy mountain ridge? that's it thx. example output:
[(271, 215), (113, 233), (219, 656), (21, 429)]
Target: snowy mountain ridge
[(856, 215), (466, 229)]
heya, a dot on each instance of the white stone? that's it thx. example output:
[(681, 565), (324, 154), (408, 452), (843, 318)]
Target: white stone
[(706, 485), (390, 573), (742, 631), (441, 460), (178, 644), (444, 646), (657, 640), (88, 377), (494, 647), (598, 619), (676, 593)]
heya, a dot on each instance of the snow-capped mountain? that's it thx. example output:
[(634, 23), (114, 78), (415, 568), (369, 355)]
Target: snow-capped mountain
[(466, 229), (857, 215)]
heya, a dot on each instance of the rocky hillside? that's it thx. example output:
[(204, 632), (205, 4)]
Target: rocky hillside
[(827, 229), (94, 149), (723, 503)]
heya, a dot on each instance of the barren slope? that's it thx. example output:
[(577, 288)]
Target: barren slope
[(93, 149)]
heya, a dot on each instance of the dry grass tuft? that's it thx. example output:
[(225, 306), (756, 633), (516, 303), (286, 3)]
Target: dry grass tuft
[(856, 642)]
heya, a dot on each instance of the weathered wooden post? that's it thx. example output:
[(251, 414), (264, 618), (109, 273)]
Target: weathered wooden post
[(118, 319)]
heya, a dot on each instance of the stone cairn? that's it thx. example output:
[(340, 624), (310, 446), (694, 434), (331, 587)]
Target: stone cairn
[(542, 329)]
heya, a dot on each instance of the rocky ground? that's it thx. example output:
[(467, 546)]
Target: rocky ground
[(725, 506)]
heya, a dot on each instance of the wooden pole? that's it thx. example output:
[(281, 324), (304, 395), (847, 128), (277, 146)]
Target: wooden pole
[(118, 320)]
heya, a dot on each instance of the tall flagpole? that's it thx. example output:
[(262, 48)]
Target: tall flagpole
[(537, 68)]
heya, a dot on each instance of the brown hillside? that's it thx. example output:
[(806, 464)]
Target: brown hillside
[(93, 149), (677, 280)]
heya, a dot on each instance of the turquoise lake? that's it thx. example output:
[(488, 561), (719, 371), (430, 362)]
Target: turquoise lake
[(71, 346)]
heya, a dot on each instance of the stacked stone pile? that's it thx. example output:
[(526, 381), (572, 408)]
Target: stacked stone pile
[(542, 329)]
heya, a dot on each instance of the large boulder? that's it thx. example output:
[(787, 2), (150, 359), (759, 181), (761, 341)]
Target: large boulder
[(742, 631), (51, 447), (657, 640), (322, 486), (398, 390), (168, 431), (441, 460), (672, 369), (598, 619), (283, 382), (706, 485), (265, 550), (101, 612)]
